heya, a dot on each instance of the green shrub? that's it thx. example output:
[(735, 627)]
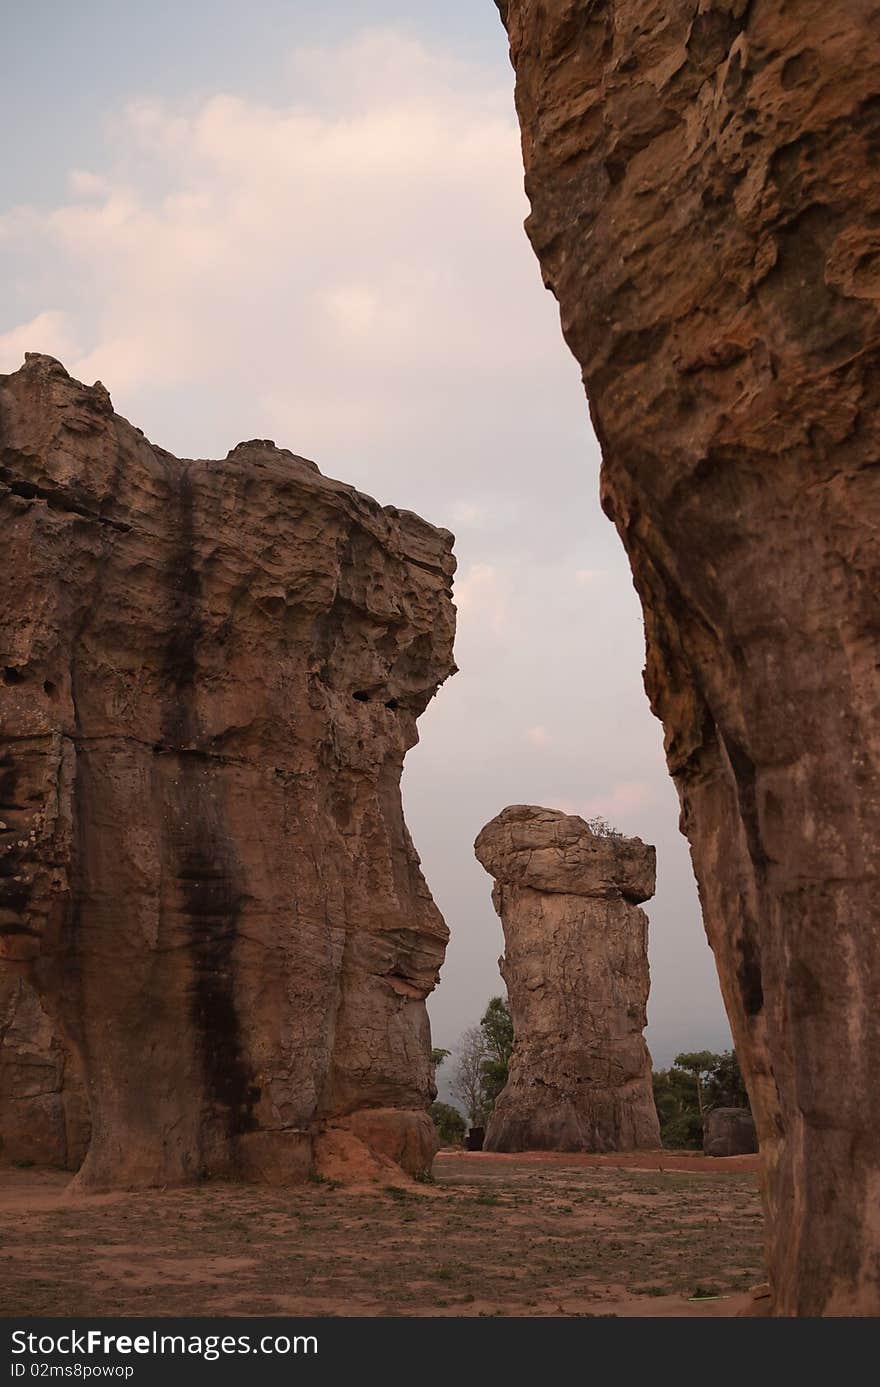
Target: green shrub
[(683, 1133), (449, 1123)]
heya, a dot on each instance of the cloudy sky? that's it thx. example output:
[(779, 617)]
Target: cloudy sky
[(302, 219)]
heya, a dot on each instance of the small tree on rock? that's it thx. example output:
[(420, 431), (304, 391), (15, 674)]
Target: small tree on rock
[(601, 828)]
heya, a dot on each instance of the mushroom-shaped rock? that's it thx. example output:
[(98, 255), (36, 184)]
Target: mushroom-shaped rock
[(576, 969)]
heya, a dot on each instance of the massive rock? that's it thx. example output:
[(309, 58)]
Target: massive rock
[(705, 199), (211, 672), (44, 1115), (576, 968)]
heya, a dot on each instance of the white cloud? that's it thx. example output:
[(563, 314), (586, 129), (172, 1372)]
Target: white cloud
[(345, 259)]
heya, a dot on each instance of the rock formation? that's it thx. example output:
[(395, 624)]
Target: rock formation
[(211, 672), (44, 1115), (729, 1132), (576, 968), (706, 208)]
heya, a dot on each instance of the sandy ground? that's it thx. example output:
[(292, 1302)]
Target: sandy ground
[(656, 1235)]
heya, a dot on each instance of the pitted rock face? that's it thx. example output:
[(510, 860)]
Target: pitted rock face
[(212, 672), (551, 851), (576, 968), (705, 206)]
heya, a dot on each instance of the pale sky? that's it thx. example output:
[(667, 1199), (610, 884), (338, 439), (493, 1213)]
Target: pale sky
[(302, 219)]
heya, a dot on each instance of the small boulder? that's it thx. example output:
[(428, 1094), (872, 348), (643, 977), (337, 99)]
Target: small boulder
[(729, 1132)]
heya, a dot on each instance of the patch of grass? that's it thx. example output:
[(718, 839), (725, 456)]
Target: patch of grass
[(583, 1234), (704, 1293)]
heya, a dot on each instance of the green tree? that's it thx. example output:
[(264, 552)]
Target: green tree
[(726, 1087), (482, 1061), (449, 1122), (698, 1081), (494, 1078), (438, 1056), (497, 1028), (675, 1097), (699, 1063)]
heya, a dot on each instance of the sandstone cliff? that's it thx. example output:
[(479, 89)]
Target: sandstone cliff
[(211, 672), (705, 207), (576, 968)]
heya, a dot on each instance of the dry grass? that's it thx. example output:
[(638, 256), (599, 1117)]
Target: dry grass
[(519, 1237)]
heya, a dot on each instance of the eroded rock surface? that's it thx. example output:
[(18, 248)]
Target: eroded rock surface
[(706, 208), (211, 672), (576, 968), (44, 1115)]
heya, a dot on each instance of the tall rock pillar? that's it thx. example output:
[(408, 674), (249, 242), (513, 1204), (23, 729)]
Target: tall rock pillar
[(576, 968)]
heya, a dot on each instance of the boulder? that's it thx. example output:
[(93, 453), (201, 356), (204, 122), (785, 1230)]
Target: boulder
[(729, 1132)]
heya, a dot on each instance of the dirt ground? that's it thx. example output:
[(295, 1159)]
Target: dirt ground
[(664, 1235)]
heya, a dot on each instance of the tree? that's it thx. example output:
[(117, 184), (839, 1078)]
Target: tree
[(675, 1097), (468, 1076), (449, 1123), (497, 1028), (438, 1056), (684, 1093), (700, 1063), (726, 1086)]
